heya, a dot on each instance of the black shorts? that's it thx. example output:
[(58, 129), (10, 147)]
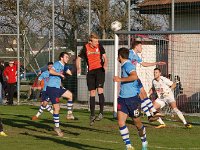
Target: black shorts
[(95, 79)]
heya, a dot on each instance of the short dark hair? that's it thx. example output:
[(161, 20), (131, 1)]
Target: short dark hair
[(123, 52), (135, 43), (62, 55), (157, 69), (50, 63)]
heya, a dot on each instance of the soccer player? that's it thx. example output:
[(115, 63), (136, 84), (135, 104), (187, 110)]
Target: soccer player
[(54, 91), (97, 62), (44, 98), (163, 87), (146, 103), (129, 101)]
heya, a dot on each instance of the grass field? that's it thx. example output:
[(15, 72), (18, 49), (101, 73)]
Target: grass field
[(24, 134)]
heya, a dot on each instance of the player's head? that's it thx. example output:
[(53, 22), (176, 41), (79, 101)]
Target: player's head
[(157, 73), (123, 54), (64, 57), (49, 65), (11, 63), (93, 39), (137, 46)]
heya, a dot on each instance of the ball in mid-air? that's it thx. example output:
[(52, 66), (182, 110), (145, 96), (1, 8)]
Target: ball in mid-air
[(116, 25)]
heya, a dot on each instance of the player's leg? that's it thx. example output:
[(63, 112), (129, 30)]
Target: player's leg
[(67, 94), (158, 104), (2, 133), (92, 90), (100, 79), (141, 132), (54, 95), (133, 105), (146, 101), (44, 105), (180, 114), (122, 114)]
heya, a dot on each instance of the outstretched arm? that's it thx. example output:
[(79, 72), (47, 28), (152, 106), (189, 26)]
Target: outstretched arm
[(148, 64)]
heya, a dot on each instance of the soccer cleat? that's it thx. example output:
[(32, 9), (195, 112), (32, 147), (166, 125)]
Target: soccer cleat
[(160, 126), (189, 126), (144, 146), (34, 118), (92, 119), (99, 117), (70, 117), (58, 131), (3, 134), (157, 114), (151, 118), (130, 147)]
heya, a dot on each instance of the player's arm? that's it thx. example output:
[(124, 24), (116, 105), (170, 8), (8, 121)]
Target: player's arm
[(173, 86), (69, 72), (148, 64), (78, 65), (105, 66), (132, 76), (53, 72)]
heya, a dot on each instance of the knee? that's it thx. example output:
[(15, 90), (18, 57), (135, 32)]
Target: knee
[(121, 123), (100, 90), (92, 93), (70, 95)]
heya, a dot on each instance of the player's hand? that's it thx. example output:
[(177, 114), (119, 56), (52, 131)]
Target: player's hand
[(62, 76), (161, 63), (105, 68), (116, 79), (39, 87), (78, 71)]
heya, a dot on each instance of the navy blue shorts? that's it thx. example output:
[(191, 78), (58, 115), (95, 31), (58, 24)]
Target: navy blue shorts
[(54, 94), (44, 96), (129, 106)]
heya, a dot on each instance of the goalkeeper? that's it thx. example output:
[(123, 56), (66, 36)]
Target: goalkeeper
[(163, 87)]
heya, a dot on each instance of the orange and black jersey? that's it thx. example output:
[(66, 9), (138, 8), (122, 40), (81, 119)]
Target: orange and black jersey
[(93, 56)]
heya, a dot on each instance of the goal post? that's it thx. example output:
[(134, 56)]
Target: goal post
[(180, 50)]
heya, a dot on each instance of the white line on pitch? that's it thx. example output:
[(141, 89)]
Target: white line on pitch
[(65, 137), (180, 148)]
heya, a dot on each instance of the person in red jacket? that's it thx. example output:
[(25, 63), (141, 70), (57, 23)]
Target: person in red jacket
[(10, 73)]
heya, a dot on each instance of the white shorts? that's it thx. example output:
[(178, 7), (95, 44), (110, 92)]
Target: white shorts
[(162, 102)]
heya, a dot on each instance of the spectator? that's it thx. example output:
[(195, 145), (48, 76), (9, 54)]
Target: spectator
[(36, 88), (1, 81), (10, 74)]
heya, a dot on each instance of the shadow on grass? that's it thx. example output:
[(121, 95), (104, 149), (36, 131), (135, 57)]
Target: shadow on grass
[(64, 142)]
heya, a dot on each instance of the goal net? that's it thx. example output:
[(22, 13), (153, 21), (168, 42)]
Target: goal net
[(180, 51)]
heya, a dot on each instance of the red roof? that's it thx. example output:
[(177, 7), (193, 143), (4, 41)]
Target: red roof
[(164, 2), (164, 6)]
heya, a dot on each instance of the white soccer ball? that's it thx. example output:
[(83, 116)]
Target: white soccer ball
[(116, 25)]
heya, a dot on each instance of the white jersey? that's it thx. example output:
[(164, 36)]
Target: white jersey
[(162, 87)]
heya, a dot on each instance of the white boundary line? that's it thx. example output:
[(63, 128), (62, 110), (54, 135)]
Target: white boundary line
[(178, 148), (65, 137)]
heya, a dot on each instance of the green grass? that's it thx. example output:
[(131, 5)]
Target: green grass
[(24, 134)]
